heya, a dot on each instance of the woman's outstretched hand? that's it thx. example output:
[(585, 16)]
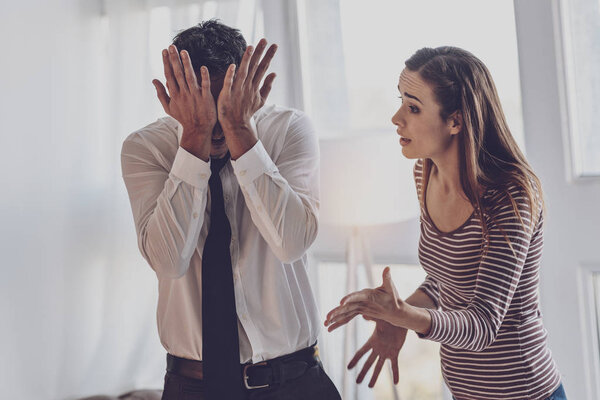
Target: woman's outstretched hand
[(385, 344), (381, 303)]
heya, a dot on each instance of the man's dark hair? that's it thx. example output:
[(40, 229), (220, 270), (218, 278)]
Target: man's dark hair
[(213, 44)]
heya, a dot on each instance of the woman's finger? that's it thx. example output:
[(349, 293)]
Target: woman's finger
[(376, 371), (341, 322), (341, 311), (351, 295), (366, 367), (362, 295), (395, 372), (359, 354)]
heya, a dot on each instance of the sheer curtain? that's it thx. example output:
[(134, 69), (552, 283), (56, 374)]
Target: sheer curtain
[(77, 300)]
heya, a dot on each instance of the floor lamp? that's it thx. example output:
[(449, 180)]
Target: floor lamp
[(365, 182)]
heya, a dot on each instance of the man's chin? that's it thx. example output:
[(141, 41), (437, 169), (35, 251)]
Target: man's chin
[(220, 153)]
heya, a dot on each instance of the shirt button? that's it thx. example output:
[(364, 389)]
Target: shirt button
[(244, 316), (203, 176), (259, 208), (195, 215), (243, 172), (226, 198)]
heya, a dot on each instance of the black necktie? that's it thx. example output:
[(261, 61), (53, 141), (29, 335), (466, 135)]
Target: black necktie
[(220, 345)]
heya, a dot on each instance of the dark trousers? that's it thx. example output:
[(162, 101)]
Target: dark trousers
[(314, 384)]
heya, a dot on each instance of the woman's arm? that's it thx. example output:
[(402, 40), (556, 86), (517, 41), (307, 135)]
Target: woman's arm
[(476, 326), (420, 298)]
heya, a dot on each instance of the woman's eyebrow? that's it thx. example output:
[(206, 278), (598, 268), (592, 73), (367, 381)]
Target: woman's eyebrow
[(409, 95)]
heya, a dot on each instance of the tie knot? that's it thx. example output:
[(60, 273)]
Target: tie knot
[(216, 164)]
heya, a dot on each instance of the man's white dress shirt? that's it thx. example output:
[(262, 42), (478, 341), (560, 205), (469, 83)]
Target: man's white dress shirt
[(271, 200)]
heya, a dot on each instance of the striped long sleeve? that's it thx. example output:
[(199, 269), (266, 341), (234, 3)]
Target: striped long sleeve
[(488, 321), (476, 326)]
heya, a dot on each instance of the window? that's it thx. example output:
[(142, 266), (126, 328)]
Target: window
[(580, 33), (352, 68)]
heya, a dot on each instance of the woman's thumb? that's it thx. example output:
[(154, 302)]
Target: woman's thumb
[(387, 278)]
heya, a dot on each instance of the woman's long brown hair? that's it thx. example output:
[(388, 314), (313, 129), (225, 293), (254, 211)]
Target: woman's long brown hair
[(489, 155)]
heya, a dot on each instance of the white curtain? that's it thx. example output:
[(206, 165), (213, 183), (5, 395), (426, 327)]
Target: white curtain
[(77, 300)]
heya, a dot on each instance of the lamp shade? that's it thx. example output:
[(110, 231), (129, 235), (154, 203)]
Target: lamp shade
[(365, 180)]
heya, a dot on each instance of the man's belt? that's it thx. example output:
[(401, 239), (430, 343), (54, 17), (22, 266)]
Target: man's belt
[(270, 373)]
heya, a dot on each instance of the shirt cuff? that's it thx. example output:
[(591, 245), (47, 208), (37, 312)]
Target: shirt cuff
[(191, 169), (434, 333), (253, 164)]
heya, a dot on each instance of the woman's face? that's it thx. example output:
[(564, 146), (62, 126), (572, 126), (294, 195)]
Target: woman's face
[(423, 132)]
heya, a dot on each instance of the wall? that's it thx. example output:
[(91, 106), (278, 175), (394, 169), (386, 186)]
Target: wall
[(571, 231)]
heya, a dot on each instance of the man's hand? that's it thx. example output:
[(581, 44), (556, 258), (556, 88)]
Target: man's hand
[(193, 106), (241, 97), (385, 343)]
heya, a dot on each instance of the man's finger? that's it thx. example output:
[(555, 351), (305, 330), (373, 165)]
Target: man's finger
[(188, 69), (366, 367), (205, 81), (376, 371), (395, 372), (177, 67), (266, 87), (254, 62), (264, 65), (242, 71), (228, 80), (359, 354), (169, 75), (162, 95)]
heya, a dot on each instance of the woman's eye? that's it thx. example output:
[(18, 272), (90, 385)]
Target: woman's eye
[(413, 109)]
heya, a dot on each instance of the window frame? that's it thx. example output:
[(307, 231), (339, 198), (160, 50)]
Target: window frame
[(574, 169)]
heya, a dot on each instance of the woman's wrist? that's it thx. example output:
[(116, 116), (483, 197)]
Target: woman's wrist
[(414, 318)]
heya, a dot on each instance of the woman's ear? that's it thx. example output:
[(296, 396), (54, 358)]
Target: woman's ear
[(455, 122)]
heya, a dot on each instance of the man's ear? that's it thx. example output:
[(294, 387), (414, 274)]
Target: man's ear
[(455, 122)]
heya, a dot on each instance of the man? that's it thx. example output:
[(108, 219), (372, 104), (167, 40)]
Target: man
[(224, 194)]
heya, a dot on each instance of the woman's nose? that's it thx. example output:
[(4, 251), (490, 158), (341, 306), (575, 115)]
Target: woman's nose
[(396, 118)]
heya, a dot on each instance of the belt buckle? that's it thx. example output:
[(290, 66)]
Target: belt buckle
[(246, 376)]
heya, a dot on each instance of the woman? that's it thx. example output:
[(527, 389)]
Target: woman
[(481, 240)]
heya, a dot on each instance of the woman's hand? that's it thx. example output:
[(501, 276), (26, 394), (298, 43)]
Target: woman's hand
[(385, 343), (381, 303)]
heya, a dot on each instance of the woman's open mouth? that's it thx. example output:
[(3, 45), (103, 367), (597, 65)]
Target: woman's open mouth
[(404, 141)]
